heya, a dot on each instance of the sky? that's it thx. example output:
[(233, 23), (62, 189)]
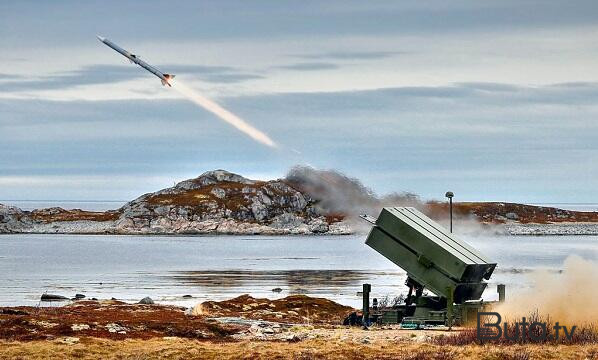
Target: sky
[(493, 100)]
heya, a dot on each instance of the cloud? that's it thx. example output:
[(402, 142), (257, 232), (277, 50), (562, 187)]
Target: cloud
[(10, 77), (103, 74), (500, 141), (230, 78), (351, 55), (490, 86), (489, 94), (310, 66), (192, 20), (214, 74)]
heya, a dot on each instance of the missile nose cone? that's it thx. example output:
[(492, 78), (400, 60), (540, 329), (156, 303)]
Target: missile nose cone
[(100, 38)]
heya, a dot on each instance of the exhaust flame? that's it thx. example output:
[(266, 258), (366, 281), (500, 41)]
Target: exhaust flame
[(223, 114)]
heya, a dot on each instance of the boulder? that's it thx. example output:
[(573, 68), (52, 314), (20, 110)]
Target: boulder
[(218, 192), (512, 216), (146, 301), (53, 297), (13, 219), (80, 327), (69, 340)]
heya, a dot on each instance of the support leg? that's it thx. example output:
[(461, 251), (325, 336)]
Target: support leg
[(449, 306)]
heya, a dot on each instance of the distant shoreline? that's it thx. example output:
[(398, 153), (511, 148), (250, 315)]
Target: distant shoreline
[(222, 203), (514, 229)]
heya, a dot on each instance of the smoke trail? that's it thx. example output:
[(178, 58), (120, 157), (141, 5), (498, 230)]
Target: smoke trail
[(223, 114)]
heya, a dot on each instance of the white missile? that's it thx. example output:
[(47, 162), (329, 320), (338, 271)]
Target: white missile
[(165, 78)]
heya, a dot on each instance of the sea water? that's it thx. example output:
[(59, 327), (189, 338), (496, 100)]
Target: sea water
[(220, 267)]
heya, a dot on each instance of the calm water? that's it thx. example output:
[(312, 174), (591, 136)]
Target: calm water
[(220, 267)]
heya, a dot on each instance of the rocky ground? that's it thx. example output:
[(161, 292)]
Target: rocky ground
[(220, 202), (296, 327), (243, 317)]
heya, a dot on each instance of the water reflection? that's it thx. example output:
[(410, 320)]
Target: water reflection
[(220, 267), (292, 281)]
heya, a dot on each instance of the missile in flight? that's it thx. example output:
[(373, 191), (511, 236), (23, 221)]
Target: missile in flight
[(165, 78)]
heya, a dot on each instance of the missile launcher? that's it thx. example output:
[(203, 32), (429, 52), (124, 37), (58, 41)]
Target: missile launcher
[(434, 259)]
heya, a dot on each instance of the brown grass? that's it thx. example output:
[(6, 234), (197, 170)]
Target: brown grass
[(294, 309), (175, 348), (495, 212), (28, 323), (141, 321), (235, 199), (200, 197), (583, 334), (334, 217), (60, 214), (166, 332)]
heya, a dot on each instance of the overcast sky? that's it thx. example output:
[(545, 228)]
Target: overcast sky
[(492, 100)]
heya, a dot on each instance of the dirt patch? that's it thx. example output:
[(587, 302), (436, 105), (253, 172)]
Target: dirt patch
[(299, 309)]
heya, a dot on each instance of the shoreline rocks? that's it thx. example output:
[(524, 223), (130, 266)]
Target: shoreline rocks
[(53, 297), (146, 301), (566, 228)]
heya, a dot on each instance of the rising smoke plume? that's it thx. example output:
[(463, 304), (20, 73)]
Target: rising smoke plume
[(569, 297), (339, 194), (223, 114)]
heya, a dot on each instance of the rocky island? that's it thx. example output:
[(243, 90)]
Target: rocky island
[(307, 201), (215, 202)]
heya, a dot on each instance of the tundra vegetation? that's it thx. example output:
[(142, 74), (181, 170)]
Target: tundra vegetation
[(295, 327)]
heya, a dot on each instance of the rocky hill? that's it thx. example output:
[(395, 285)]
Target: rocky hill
[(307, 201), (215, 202)]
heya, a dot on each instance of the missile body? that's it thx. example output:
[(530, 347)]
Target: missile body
[(165, 78)]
